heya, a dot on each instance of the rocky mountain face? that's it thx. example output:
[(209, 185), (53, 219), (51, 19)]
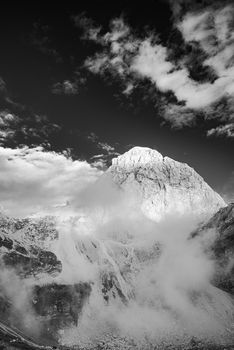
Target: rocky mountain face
[(22, 249), (220, 228), (160, 186), (164, 185), (25, 260)]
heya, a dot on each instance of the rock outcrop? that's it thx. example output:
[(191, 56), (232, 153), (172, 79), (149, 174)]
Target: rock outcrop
[(163, 185), (22, 252)]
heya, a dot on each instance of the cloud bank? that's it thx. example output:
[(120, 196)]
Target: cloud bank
[(32, 179)]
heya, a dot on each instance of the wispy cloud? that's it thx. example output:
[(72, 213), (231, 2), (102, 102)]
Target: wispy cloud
[(222, 130), (20, 125), (41, 40), (227, 190), (5, 94), (133, 58), (29, 128), (108, 151), (66, 87), (90, 30)]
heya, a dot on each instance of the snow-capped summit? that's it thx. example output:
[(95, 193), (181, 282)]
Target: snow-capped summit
[(164, 185), (136, 156)]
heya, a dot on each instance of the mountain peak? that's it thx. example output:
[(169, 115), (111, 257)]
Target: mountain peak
[(164, 185), (138, 156)]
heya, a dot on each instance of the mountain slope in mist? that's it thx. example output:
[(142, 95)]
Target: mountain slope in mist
[(127, 263), (220, 229)]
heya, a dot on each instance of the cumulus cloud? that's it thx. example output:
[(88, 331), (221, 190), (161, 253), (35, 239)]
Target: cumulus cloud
[(32, 179), (132, 58)]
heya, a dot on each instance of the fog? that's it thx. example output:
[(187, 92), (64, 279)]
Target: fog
[(164, 275), (168, 286)]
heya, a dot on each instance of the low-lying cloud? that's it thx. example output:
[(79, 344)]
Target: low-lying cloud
[(32, 180), (165, 276)]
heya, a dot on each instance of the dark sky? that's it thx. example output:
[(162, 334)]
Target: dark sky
[(41, 46)]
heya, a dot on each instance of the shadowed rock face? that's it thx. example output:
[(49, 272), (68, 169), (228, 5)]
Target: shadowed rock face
[(33, 263), (60, 305), (221, 227), (27, 260), (23, 245)]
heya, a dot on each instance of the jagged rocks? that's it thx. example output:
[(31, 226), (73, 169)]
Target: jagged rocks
[(27, 260), (32, 263), (23, 246), (40, 230)]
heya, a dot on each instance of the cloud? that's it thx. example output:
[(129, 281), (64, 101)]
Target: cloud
[(8, 126), (104, 147), (167, 273), (211, 27), (178, 116), (20, 125), (132, 58), (5, 94), (227, 191), (66, 87), (41, 40), (32, 179), (2, 85), (224, 130), (90, 30), (29, 128)]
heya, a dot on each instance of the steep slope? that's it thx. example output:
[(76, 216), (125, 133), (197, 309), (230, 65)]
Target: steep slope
[(19, 252), (220, 229), (163, 185)]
